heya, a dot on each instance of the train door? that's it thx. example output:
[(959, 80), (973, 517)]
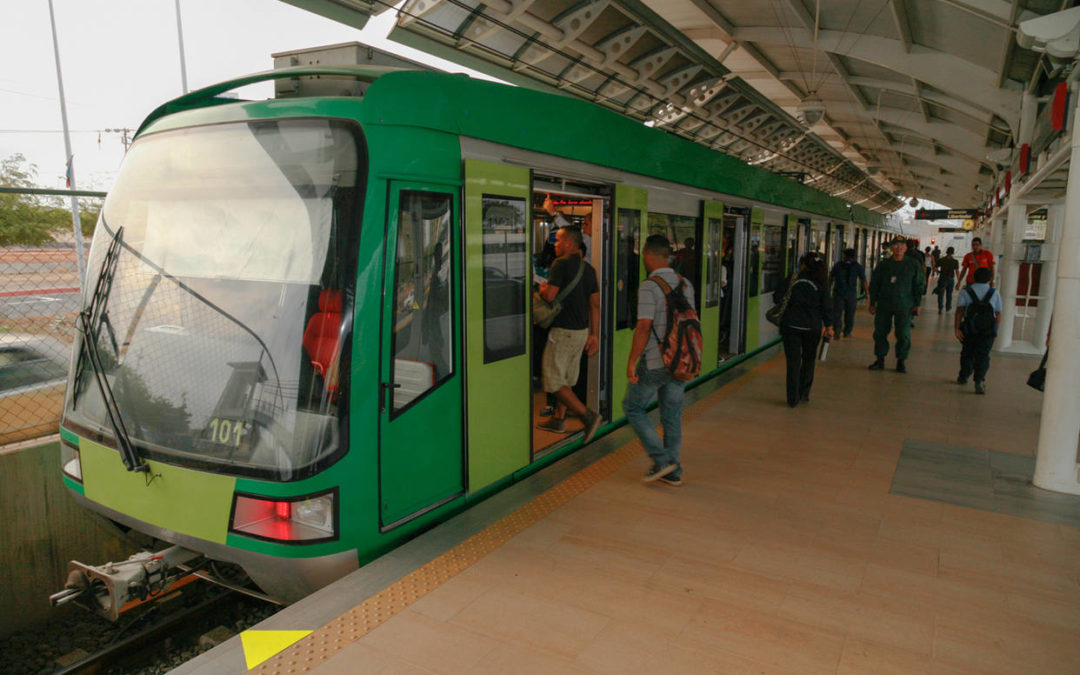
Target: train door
[(791, 245), (716, 284), (754, 312), (558, 202), (733, 307), (420, 375), (631, 209), (497, 282), (817, 238)]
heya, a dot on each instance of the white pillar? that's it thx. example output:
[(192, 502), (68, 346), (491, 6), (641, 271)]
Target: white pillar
[(1009, 275), (1059, 428), (1055, 220)]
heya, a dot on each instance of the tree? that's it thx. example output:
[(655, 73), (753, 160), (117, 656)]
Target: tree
[(31, 220)]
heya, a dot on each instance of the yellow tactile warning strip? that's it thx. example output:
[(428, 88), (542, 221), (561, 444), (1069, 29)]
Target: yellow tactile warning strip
[(260, 645), (311, 651)]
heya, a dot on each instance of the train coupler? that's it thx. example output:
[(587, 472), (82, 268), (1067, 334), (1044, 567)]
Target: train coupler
[(110, 588)]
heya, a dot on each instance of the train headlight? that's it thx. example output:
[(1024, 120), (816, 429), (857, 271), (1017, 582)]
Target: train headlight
[(307, 519), (70, 461)]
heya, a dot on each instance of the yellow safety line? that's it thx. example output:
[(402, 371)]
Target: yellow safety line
[(321, 645)]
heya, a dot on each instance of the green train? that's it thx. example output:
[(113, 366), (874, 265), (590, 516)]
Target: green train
[(306, 336)]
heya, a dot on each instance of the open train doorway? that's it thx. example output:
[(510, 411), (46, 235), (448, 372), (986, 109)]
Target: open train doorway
[(560, 202), (733, 261)]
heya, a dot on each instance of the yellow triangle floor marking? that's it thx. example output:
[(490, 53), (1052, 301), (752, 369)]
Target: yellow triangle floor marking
[(260, 645)]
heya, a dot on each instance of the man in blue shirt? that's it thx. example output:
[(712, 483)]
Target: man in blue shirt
[(978, 310), (846, 277)]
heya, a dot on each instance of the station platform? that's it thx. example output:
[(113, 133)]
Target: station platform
[(888, 526)]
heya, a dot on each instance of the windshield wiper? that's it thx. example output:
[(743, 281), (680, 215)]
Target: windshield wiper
[(91, 320)]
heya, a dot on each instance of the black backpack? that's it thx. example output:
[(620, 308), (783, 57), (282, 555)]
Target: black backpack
[(979, 317), (849, 276)]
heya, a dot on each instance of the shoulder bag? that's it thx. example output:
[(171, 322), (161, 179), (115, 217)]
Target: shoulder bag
[(776, 313), (544, 312), (1037, 378)]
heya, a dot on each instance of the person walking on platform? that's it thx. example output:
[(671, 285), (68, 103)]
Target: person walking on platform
[(979, 257), (916, 257), (846, 276), (978, 310), (573, 331), (946, 269), (647, 376), (896, 289), (808, 310)]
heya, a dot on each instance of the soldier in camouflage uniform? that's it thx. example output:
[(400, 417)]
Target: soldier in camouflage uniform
[(896, 289)]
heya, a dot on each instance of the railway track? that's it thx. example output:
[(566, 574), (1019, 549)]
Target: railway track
[(152, 638), (170, 628)]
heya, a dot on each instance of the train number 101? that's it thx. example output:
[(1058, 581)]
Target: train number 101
[(226, 432)]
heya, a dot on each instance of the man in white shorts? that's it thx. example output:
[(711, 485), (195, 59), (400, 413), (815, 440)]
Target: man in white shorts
[(573, 331)]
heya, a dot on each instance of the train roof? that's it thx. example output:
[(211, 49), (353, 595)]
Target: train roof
[(516, 116)]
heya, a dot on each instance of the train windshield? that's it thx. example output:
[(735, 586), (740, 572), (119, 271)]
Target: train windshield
[(219, 275)]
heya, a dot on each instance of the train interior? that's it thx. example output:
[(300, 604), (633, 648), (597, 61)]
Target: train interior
[(558, 202)]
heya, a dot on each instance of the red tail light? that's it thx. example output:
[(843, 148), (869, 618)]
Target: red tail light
[(308, 519)]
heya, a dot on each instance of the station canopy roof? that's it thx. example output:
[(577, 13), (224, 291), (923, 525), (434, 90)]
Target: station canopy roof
[(867, 100)]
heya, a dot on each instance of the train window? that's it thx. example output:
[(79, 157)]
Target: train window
[(773, 266), (682, 233), (628, 247), (505, 323), (755, 263), (422, 316), (714, 273)]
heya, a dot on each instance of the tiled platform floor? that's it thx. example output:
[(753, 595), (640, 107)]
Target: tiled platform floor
[(981, 479), (784, 552)]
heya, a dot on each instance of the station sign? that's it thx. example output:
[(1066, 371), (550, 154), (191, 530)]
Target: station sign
[(946, 214)]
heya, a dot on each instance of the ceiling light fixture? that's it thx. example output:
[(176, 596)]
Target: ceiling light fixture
[(811, 109)]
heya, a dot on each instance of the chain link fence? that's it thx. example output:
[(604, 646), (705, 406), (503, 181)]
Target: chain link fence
[(39, 301)]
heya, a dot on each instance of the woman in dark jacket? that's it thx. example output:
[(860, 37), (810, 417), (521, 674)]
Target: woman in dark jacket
[(808, 309)]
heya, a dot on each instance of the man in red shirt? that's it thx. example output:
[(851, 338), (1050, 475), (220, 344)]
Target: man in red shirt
[(979, 257)]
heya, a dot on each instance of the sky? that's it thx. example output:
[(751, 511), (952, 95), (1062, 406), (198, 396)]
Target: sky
[(120, 60)]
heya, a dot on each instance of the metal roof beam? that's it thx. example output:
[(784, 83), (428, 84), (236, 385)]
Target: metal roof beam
[(974, 84), (903, 26), (938, 99), (960, 140)]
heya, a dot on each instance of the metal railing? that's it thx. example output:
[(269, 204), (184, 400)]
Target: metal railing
[(39, 300)]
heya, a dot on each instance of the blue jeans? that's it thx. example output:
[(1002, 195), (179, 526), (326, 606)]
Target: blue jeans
[(670, 393), (944, 298)]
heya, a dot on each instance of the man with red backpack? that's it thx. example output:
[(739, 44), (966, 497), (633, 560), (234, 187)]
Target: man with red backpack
[(664, 356)]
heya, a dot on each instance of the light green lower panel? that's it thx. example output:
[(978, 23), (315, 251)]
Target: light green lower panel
[(181, 500), (753, 323), (620, 352), (710, 338)]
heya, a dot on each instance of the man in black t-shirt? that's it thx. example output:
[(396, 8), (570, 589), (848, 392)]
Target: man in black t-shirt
[(573, 331)]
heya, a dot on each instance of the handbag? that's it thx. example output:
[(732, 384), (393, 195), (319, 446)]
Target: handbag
[(1037, 378), (776, 313), (544, 312)]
